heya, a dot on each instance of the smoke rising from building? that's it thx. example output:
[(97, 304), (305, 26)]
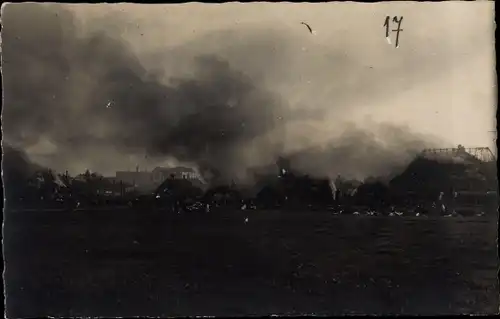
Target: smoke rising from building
[(77, 99)]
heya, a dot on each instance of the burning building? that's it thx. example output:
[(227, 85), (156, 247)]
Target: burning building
[(141, 180), (161, 174), (458, 179)]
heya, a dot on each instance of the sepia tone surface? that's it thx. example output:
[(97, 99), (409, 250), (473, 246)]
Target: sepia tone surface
[(238, 159)]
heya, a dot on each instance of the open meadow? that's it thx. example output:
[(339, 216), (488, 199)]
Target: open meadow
[(149, 263)]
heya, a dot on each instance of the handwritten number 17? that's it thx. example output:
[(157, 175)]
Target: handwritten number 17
[(397, 30)]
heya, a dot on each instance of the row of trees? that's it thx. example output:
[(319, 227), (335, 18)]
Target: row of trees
[(46, 185)]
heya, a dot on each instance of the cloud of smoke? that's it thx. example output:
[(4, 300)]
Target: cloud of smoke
[(18, 163), (17, 168), (381, 151), (76, 99)]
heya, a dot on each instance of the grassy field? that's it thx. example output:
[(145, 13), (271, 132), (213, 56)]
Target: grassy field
[(145, 263)]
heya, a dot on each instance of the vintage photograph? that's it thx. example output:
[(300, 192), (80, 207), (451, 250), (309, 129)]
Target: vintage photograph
[(249, 159)]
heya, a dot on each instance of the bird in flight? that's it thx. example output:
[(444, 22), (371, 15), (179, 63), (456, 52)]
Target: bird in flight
[(308, 27)]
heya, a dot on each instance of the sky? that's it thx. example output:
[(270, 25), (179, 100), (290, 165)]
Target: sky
[(437, 88)]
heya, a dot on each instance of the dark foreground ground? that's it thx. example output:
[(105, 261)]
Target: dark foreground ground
[(142, 263)]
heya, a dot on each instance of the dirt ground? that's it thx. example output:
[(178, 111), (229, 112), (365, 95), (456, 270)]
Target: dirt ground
[(145, 263)]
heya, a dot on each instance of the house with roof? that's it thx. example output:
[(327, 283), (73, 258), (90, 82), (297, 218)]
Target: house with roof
[(161, 174)]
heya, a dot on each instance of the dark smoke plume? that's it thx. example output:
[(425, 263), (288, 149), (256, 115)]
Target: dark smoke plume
[(16, 164), (93, 104), (359, 154), (58, 86), (17, 168)]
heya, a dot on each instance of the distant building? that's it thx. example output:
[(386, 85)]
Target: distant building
[(111, 180), (111, 186), (141, 180), (150, 180), (161, 174)]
